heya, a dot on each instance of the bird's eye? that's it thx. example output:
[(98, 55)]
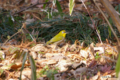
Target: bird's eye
[(63, 31)]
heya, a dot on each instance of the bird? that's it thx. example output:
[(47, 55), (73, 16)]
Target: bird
[(57, 39)]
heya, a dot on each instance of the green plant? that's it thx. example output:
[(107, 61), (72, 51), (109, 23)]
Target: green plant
[(117, 69), (97, 56), (32, 64), (7, 26), (48, 72)]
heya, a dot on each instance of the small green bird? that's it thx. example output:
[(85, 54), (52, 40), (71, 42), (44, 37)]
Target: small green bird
[(58, 38)]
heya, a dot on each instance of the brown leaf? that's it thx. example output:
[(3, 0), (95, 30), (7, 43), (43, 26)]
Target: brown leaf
[(92, 64), (16, 66), (105, 68)]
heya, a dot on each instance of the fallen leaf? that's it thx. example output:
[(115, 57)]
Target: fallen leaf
[(105, 68), (84, 53)]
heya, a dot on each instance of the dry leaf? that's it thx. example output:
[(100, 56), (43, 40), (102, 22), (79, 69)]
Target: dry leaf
[(105, 68), (63, 65), (79, 71), (99, 50), (84, 53)]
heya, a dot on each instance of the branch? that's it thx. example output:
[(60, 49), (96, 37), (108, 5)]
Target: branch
[(30, 7)]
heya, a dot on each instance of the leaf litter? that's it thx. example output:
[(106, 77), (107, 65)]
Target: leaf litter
[(71, 61)]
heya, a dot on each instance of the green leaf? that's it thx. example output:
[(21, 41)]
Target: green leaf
[(109, 30), (119, 8), (71, 6), (58, 6), (1, 71), (33, 68), (45, 4), (24, 59), (49, 15), (117, 69)]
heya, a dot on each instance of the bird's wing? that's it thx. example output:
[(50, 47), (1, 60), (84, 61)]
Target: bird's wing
[(55, 39)]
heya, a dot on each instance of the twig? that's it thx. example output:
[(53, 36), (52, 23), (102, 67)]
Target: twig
[(105, 57), (30, 7), (92, 22), (107, 22), (11, 37), (23, 27), (113, 48)]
